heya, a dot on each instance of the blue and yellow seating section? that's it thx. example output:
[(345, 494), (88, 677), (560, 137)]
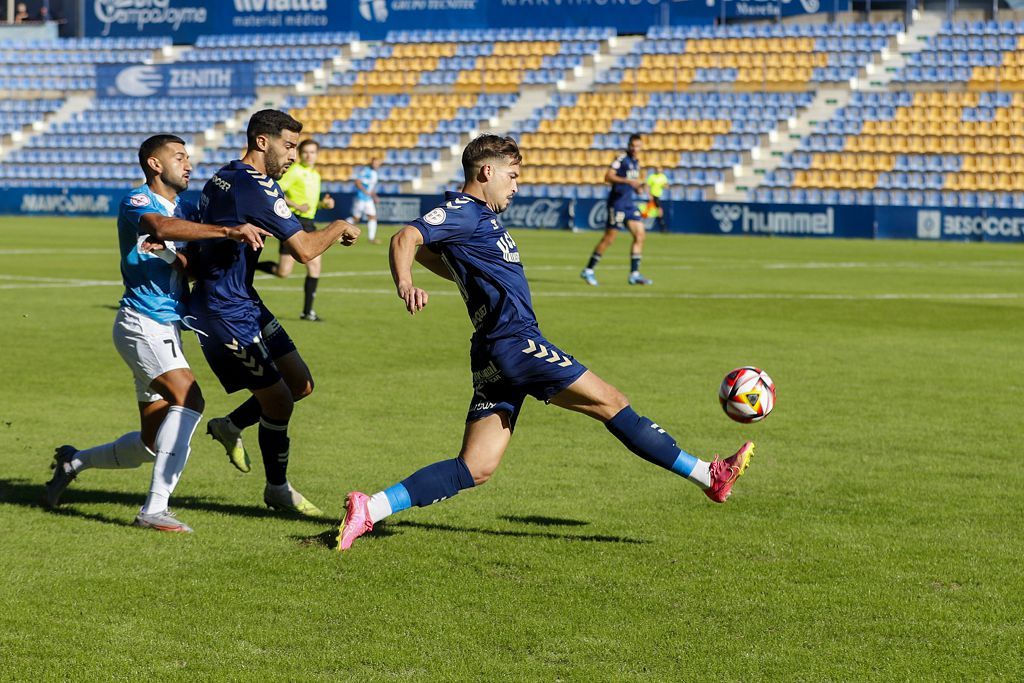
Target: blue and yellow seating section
[(925, 148)]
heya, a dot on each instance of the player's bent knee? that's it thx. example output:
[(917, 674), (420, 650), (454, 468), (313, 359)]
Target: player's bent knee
[(194, 399), (276, 401), (481, 475), (301, 390)]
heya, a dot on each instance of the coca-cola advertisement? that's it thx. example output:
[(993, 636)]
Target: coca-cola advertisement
[(530, 212)]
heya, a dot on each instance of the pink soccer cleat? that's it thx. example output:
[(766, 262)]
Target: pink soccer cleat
[(357, 520), (724, 473)]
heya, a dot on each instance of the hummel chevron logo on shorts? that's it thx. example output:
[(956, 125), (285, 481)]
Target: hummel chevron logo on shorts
[(250, 362), (551, 356)]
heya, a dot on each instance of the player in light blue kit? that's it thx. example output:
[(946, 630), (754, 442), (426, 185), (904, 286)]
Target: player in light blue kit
[(147, 334), (463, 240), (245, 345), (623, 213), (365, 204)]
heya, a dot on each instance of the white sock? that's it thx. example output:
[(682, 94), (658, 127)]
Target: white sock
[(379, 506), (371, 228), (701, 474), (279, 488), (172, 452), (128, 452)]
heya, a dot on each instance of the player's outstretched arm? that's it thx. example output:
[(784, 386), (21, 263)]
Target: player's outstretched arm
[(166, 228), (402, 253), (306, 246)]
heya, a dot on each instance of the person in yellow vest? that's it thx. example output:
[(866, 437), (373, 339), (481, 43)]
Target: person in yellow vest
[(656, 184), (301, 187)]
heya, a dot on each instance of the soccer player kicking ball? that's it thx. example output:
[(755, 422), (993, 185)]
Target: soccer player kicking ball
[(147, 333), (243, 342), (510, 358)]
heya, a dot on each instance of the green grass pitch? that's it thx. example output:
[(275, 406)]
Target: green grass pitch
[(876, 535)]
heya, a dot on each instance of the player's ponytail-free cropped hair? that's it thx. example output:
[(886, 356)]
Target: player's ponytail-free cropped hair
[(149, 148), (306, 143), (269, 122), (487, 147)]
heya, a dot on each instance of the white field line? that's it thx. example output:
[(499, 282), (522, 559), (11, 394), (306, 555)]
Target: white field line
[(21, 282), (590, 294)]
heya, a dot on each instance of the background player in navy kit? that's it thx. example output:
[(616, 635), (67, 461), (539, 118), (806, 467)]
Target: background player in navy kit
[(242, 340), (623, 212), (462, 240)]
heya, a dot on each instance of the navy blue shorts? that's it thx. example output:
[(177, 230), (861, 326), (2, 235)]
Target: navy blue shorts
[(242, 353), (505, 372), (620, 214)]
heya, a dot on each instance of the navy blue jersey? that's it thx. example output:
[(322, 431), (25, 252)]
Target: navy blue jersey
[(484, 260), (621, 194), (223, 268)]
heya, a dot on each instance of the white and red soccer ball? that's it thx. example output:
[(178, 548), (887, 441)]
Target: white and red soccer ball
[(747, 394)]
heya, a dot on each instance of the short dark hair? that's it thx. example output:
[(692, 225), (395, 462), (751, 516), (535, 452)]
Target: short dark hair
[(269, 122), (635, 137), (151, 145), (489, 147), (306, 143)]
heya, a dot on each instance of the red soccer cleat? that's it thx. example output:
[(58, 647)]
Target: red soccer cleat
[(724, 473)]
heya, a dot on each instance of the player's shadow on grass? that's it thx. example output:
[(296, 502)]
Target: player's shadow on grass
[(329, 539), (539, 520), (30, 494)]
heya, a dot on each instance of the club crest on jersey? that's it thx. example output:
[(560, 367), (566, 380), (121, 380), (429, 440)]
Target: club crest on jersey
[(435, 217), (281, 208), (139, 200)]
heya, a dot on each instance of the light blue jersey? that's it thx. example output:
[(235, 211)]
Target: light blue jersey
[(368, 177), (151, 286)]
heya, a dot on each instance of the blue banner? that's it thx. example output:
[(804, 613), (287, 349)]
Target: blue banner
[(709, 218), (989, 225), (766, 9), (185, 20), (797, 220), (188, 79)]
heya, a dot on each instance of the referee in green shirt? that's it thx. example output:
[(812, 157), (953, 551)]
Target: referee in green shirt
[(656, 184), (301, 187)]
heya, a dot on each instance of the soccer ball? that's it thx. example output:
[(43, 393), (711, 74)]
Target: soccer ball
[(747, 394)]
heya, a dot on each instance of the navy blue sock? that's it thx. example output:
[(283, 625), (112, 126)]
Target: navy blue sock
[(436, 482), (595, 258), (634, 263), (247, 414), (274, 445), (650, 442)]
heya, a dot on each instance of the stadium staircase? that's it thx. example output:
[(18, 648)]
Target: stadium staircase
[(766, 158), (925, 26)]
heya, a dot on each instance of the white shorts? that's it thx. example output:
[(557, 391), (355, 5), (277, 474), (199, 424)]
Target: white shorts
[(364, 207), (150, 349)]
